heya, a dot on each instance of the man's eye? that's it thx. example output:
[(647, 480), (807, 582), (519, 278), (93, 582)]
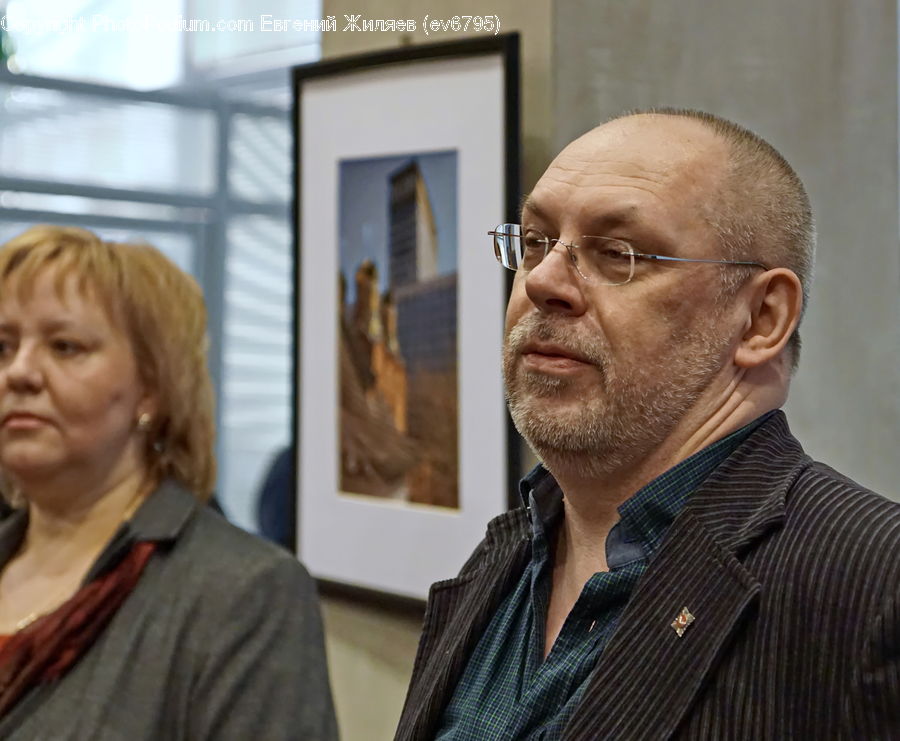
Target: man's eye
[(534, 241), (614, 255)]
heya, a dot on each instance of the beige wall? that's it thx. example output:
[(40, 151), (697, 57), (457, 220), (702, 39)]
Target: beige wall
[(370, 657), (817, 77)]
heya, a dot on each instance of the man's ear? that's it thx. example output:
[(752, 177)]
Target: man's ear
[(776, 301)]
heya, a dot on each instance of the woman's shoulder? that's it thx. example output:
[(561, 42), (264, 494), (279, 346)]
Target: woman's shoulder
[(223, 546), (205, 550)]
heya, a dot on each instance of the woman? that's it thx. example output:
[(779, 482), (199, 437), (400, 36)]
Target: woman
[(128, 610)]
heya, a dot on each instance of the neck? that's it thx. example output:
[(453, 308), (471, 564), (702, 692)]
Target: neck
[(592, 499), (68, 518)]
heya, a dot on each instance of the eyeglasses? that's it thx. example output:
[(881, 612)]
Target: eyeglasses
[(604, 260)]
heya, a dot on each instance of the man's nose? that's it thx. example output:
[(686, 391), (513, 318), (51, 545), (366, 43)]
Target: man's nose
[(554, 284)]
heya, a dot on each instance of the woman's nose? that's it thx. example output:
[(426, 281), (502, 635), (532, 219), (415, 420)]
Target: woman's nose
[(23, 371)]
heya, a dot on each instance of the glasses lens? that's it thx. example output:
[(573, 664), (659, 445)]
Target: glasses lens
[(533, 248), (605, 260), (507, 245)]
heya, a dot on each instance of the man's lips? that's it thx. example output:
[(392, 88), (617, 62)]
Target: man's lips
[(547, 357), (553, 351)]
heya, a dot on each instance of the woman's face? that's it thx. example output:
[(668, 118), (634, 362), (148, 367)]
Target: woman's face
[(70, 395)]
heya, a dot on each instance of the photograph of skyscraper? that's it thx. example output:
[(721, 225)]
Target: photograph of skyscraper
[(397, 328)]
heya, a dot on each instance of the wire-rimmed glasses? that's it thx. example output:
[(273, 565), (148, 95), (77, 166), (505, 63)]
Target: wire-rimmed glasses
[(604, 260)]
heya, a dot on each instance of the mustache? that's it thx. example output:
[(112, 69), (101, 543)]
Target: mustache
[(580, 343)]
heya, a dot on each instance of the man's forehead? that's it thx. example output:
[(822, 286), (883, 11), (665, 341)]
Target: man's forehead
[(654, 143), (640, 155), (654, 132), (622, 214)]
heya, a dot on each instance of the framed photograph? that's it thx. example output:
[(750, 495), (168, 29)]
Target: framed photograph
[(403, 161)]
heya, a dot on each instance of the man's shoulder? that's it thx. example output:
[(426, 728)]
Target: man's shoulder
[(823, 499), (820, 477), (770, 482), (833, 537)]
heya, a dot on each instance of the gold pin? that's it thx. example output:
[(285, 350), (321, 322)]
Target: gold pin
[(681, 623)]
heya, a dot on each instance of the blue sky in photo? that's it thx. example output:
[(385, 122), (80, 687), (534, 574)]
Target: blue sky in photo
[(363, 186)]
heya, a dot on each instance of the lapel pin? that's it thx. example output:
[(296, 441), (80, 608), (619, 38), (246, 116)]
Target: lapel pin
[(681, 623)]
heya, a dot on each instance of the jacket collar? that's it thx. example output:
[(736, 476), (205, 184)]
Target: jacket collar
[(746, 496), (160, 519), (164, 514)]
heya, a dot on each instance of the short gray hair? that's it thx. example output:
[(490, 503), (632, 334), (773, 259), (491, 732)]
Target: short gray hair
[(762, 211)]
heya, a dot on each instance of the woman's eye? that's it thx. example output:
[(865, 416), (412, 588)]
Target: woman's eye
[(66, 347)]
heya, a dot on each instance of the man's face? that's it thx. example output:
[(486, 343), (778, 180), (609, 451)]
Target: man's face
[(598, 375)]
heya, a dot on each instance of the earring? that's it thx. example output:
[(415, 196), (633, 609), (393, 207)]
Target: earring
[(144, 422)]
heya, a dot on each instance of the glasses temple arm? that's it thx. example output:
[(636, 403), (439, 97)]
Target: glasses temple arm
[(641, 256)]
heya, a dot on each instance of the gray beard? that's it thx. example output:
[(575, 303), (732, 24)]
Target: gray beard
[(633, 411)]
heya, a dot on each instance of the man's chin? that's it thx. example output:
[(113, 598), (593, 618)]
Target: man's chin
[(532, 383), (556, 416), (553, 394)]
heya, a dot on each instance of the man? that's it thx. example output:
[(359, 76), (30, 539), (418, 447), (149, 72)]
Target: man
[(682, 569)]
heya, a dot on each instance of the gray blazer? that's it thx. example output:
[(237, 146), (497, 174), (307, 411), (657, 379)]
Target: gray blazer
[(221, 639), (792, 573)]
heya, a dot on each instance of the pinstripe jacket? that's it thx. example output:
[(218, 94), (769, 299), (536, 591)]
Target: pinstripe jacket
[(792, 573)]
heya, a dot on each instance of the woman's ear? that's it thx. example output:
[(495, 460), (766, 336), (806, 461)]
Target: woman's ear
[(776, 302), (148, 406)]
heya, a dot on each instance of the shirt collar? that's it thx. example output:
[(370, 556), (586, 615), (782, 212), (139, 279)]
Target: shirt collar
[(647, 514), (545, 505)]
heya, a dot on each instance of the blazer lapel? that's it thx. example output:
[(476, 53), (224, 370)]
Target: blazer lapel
[(457, 614), (648, 675)]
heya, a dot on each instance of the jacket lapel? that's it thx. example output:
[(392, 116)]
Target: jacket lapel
[(648, 676), (458, 611)]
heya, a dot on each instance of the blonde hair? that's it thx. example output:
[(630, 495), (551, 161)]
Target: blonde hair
[(162, 312)]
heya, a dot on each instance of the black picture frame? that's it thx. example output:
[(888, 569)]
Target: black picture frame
[(353, 562)]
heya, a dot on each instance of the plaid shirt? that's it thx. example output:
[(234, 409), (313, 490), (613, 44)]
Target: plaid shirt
[(508, 690)]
